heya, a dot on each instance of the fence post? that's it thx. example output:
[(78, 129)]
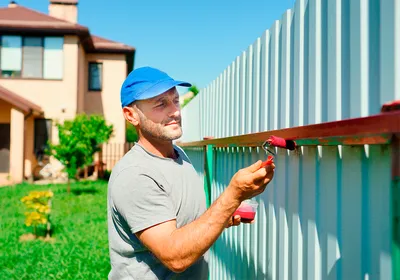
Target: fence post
[(208, 171), (395, 208)]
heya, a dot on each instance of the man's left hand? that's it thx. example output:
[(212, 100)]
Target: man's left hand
[(235, 221)]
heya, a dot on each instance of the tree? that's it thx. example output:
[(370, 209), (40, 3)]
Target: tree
[(79, 140), (131, 133), (195, 91)]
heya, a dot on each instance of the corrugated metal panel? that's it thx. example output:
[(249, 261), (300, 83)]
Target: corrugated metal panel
[(325, 215), (196, 156), (324, 60)]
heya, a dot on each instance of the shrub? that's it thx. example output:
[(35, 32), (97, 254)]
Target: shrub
[(79, 140)]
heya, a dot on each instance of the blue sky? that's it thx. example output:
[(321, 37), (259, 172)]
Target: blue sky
[(190, 40)]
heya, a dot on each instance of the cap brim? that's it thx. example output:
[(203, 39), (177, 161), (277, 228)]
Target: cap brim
[(162, 87)]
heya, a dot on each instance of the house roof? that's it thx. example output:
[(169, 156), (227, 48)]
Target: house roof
[(27, 21), (24, 19), (103, 45), (18, 101)]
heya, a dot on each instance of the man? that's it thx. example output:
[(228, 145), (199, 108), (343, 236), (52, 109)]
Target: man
[(159, 227)]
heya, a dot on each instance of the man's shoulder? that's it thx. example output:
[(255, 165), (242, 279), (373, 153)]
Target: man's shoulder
[(129, 162), (133, 166)]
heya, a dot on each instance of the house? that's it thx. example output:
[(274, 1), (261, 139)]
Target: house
[(52, 68)]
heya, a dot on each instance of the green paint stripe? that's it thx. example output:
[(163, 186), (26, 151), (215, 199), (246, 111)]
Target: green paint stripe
[(396, 261), (209, 168), (396, 229)]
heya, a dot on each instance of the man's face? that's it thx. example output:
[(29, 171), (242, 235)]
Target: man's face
[(160, 116)]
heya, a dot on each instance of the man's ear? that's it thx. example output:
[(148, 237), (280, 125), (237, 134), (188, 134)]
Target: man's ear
[(131, 115)]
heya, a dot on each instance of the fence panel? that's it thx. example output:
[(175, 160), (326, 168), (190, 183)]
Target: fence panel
[(324, 216), (324, 60)]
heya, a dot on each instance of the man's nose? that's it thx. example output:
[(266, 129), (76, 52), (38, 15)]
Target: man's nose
[(175, 110)]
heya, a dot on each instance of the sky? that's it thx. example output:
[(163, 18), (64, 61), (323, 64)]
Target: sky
[(193, 41)]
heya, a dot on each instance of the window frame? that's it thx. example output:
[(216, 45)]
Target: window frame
[(22, 57), (90, 76)]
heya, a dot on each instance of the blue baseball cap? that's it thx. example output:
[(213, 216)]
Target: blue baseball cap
[(147, 82)]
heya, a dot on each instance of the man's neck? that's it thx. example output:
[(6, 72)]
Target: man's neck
[(163, 149)]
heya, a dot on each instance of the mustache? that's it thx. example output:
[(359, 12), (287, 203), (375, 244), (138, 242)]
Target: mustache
[(177, 120)]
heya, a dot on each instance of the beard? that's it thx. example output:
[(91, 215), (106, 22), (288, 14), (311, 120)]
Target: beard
[(159, 130)]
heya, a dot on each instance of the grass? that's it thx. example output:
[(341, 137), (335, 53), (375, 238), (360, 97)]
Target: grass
[(79, 221)]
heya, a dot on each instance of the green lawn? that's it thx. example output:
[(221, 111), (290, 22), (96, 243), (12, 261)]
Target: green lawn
[(80, 249)]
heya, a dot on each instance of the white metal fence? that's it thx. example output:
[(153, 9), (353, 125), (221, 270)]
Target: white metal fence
[(327, 214), (325, 60)]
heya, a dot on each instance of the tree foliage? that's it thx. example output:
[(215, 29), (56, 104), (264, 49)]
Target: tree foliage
[(131, 133), (195, 91), (79, 140)]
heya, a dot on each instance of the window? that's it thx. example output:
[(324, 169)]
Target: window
[(95, 76), (53, 58), (31, 57), (42, 136), (11, 56)]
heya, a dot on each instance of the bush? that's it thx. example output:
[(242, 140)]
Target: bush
[(79, 140), (131, 133)]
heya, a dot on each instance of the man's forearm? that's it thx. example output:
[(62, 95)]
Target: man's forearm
[(192, 240)]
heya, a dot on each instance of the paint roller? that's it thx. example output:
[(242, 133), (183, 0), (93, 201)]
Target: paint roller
[(274, 141)]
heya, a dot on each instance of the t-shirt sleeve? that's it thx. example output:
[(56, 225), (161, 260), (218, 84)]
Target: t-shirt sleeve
[(142, 201)]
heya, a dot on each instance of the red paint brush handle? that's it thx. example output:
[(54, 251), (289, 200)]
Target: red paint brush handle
[(269, 161)]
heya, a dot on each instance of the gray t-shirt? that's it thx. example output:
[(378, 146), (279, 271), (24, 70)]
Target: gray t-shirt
[(145, 190)]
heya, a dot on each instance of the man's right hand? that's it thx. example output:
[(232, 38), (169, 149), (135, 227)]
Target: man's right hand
[(251, 181)]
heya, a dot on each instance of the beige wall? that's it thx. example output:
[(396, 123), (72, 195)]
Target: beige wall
[(53, 95), (82, 80), (30, 159), (21, 143), (5, 112), (4, 179), (107, 102), (17, 145)]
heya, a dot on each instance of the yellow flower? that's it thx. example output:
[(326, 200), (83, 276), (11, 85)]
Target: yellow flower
[(37, 201)]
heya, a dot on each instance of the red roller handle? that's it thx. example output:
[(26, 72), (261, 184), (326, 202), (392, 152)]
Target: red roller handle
[(269, 161)]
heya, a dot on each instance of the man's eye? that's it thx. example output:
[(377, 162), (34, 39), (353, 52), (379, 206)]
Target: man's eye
[(162, 104)]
